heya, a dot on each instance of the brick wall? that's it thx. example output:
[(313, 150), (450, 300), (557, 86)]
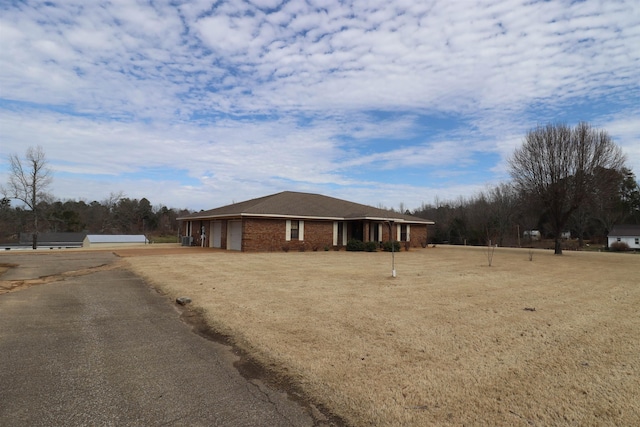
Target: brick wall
[(262, 235), (418, 236), (269, 235), (317, 236)]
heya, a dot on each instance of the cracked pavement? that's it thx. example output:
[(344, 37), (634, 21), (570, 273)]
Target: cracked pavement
[(96, 346)]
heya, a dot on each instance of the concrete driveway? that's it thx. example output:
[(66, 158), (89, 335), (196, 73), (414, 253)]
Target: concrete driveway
[(100, 347)]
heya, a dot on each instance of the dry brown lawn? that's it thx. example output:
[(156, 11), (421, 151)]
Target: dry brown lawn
[(450, 341)]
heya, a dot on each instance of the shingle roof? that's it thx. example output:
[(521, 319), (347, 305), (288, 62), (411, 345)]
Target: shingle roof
[(53, 238), (304, 205), (625, 230)]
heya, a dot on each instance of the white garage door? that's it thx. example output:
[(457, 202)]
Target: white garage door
[(234, 235)]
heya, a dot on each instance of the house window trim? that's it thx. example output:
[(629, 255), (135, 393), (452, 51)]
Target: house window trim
[(289, 235), (335, 233), (408, 232)]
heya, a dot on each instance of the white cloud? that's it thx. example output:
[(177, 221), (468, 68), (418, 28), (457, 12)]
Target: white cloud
[(450, 56), (273, 94), (625, 132)]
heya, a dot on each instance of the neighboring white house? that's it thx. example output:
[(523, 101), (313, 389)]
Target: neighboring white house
[(93, 240), (629, 234)]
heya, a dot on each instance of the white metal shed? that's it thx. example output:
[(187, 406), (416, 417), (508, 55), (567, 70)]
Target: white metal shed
[(93, 240)]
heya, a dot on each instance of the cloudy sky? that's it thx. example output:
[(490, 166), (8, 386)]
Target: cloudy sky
[(196, 104)]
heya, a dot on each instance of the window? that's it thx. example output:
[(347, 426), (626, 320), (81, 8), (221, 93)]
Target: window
[(619, 239), (637, 240), (403, 233), (295, 229)]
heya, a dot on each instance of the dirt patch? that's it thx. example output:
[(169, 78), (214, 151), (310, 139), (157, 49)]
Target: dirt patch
[(5, 267)]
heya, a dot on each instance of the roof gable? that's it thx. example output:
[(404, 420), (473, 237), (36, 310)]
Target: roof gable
[(305, 205)]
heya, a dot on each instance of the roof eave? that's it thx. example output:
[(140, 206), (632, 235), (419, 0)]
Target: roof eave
[(391, 219), (306, 217)]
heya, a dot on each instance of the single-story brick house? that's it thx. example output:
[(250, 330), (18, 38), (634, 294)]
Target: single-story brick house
[(629, 234), (298, 221)]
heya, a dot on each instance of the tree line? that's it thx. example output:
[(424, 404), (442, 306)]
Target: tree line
[(117, 214), (505, 217), (38, 211), (564, 179)]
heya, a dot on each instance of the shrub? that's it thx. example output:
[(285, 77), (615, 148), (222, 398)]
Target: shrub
[(355, 245), (388, 245), (619, 246), (370, 247)]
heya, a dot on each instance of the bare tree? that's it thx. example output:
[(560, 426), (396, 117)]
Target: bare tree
[(28, 182), (501, 201), (488, 215), (109, 205), (558, 167)]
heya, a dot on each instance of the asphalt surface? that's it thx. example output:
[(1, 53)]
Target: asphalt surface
[(103, 348)]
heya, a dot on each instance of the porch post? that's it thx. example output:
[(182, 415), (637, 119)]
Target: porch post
[(393, 253)]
